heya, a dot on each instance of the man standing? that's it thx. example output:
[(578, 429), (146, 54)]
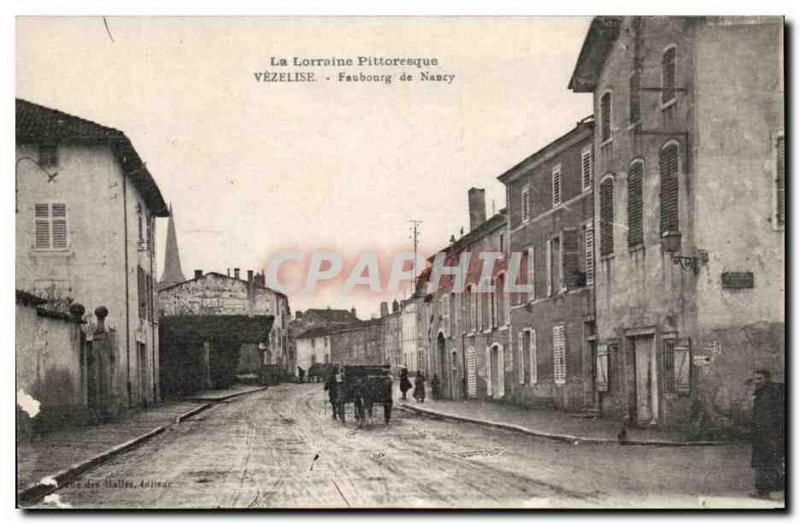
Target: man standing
[(332, 386), (387, 397), (768, 434)]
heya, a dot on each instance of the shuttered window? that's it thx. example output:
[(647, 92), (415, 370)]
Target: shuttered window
[(668, 75), (50, 226), (500, 297), (557, 185), (634, 100), (588, 252), (570, 260), (586, 168), (531, 272), (635, 205), (451, 329), (525, 204), (668, 166), (467, 307), (605, 117), (520, 360), (472, 373), (607, 217), (559, 355), (682, 367), (141, 292), (780, 183), (666, 362)]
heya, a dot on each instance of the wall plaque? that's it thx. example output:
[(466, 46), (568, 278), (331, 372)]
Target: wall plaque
[(737, 280)]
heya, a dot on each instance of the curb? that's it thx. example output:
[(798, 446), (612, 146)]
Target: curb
[(562, 437), (41, 488), (214, 400)]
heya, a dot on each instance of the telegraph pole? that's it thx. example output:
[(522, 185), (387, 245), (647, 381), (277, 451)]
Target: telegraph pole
[(415, 239)]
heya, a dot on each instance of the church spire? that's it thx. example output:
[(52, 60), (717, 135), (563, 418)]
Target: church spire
[(172, 261)]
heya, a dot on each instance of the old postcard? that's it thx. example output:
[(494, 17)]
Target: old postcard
[(400, 262)]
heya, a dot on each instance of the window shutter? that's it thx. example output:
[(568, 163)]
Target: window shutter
[(570, 259), (556, 186), (559, 355), (634, 100), (59, 225), (549, 266), (42, 226), (780, 182), (521, 357), (682, 363), (525, 204), (531, 267), (668, 75), (607, 217), (605, 117), (668, 165), (472, 380), (588, 252), (489, 371), (635, 205), (586, 168), (601, 369), (534, 374)]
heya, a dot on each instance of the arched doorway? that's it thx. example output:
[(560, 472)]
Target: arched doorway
[(496, 372)]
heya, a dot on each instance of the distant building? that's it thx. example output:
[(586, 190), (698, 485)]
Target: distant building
[(173, 273), (218, 296), (360, 343), (86, 206), (313, 346), (690, 213)]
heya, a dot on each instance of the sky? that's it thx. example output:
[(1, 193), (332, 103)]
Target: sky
[(253, 168)]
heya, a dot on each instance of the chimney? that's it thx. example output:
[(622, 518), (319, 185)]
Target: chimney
[(229, 271), (298, 314), (477, 207), (249, 276), (384, 309), (198, 273), (236, 273), (353, 311), (395, 306)]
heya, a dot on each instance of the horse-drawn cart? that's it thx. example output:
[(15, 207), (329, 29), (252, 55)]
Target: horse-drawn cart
[(363, 386)]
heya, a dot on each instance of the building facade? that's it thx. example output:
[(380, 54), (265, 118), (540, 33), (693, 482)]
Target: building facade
[(470, 330), (85, 231), (550, 199), (690, 214), (313, 346)]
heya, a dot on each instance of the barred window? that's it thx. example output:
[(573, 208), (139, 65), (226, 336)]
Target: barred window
[(50, 226), (666, 362), (635, 205), (668, 166), (668, 75), (607, 217), (559, 355)]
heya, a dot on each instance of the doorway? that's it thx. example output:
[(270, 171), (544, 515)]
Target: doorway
[(441, 347), (646, 380)]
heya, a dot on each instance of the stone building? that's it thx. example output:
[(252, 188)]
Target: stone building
[(360, 343), (469, 331), (313, 346), (690, 213), (220, 296), (86, 206), (391, 335), (549, 196)]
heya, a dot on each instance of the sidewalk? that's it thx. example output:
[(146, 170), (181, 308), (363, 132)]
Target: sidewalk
[(56, 458), (558, 425)]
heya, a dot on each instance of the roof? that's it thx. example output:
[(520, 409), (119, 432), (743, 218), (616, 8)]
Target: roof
[(597, 45), (332, 315), (230, 329), (314, 332), (204, 275), (36, 124), (29, 299), (565, 140)]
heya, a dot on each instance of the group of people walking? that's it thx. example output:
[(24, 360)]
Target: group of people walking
[(419, 385)]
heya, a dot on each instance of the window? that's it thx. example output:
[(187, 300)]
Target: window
[(141, 292), (444, 314), (588, 252), (530, 266), (668, 166), (451, 315), (557, 185), (499, 293), (467, 306), (634, 100), (139, 219), (586, 168), (150, 298), (668, 75), (635, 205), (548, 260), (50, 226), (607, 217), (605, 117), (486, 305), (666, 362), (48, 155), (570, 259), (525, 205), (601, 377), (780, 182), (559, 355), (556, 268), (527, 356)]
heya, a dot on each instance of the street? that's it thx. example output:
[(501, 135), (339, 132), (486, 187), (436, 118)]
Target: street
[(279, 448)]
